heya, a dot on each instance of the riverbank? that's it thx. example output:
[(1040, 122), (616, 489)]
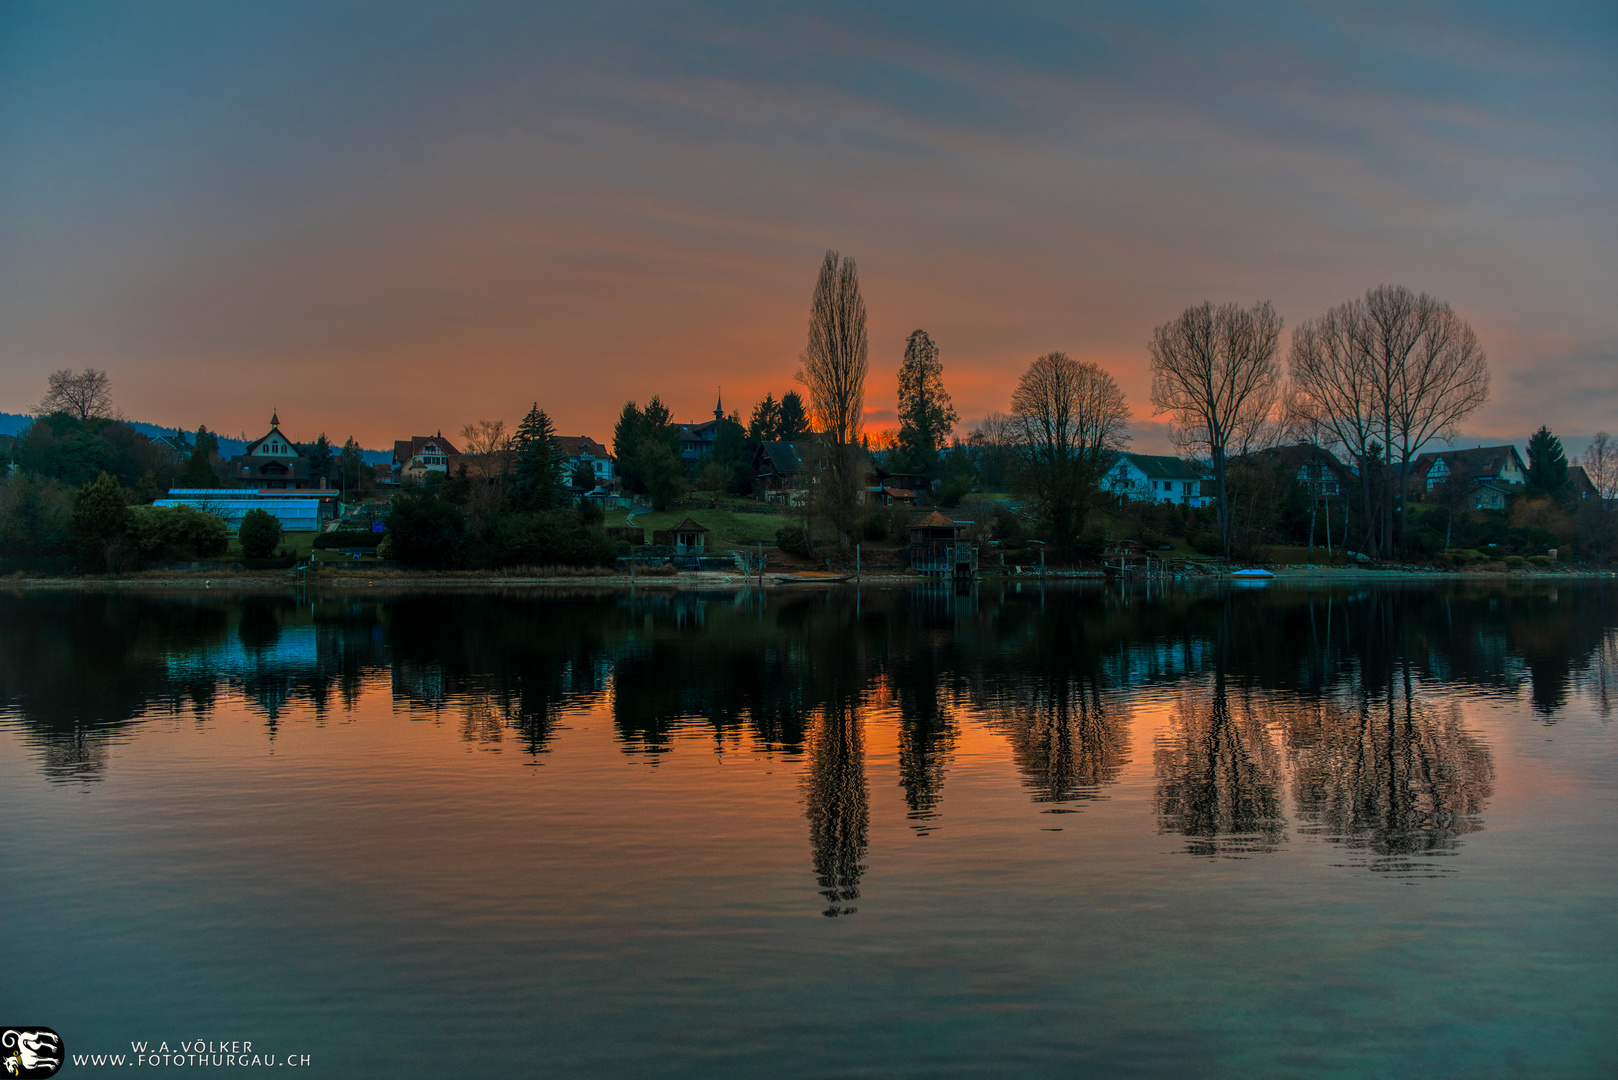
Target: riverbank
[(345, 579)]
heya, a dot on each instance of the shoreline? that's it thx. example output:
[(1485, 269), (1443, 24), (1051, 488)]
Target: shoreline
[(348, 580)]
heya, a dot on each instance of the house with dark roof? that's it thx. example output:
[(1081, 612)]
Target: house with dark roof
[(573, 451), (697, 440), (416, 458), (273, 462), (780, 470), (1156, 478), (1315, 467), (1499, 466)]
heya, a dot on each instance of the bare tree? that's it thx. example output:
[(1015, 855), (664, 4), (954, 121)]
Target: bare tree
[(485, 437), (1071, 425), (835, 361), (1601, 465), (1214, 371), (1395, 370), (85, 395)]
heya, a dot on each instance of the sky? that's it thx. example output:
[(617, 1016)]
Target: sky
[(386, 219)]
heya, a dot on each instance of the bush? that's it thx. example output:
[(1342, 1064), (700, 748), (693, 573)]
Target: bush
[(1514, 562), (548, 538), (424, 530), (1541, 561), (349, 538), (1206, 543), (874, 526), (954, 490), (258, 534), (100, 518), (792, 540), (177, 533), (1092, 543)]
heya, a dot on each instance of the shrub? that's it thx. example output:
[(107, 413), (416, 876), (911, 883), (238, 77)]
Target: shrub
[(176, 533), (1514, 562), (349, 538), (1541, 561), (546, 538), (100, 517), (874, 526), (954, 490), (425, 531), (1206, 543), (792, 540), (259, 532)]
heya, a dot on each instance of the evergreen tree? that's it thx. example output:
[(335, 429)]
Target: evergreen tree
[(926, 416), (100, 518), (1547, 463), (538, 475), (258, 534), (766, 420), (319, 456), (626, 433), (794, 422), (660, 426), (199, 468)]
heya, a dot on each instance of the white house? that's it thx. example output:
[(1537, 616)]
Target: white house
[(1156, 478), (575, 450)]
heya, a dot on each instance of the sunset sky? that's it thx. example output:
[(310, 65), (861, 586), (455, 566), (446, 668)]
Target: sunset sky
[(393, 218)]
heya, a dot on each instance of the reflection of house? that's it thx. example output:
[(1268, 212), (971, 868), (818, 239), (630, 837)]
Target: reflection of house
[(576, 450), (1156, 478), (419, 456), (272, 461), (1497, 465), (938, 549), (697, 440), (687, 538)]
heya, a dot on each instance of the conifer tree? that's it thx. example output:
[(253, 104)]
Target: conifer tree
[(1547, 462), (539, 480), (926, 415)]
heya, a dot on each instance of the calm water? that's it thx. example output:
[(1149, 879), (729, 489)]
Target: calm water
[(1255, 832)]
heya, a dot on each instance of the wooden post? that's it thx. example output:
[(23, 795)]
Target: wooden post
[(856, 562)]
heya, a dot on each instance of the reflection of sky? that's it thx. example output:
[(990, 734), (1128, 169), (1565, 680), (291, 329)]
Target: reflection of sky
[(614, 200)]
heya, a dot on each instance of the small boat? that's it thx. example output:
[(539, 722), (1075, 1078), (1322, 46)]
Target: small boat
[(1254, 575), (811, 578)]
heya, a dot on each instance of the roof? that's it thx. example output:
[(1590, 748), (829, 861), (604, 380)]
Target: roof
[(275, 431), (572, 446), (783, 457), (1299, 455), (1163, 466), (1480, 461), (405, 449), (688, 525), (935, 520)]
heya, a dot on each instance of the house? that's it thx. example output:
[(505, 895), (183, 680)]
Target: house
[(416, 458), (177, 447), (938, 549), (697, 440), (1489, 495), (272, 462), (576, 450), (1156, 478), (687, 538), (1501, 466), (780, 471), (1315, 467), (895, 496)]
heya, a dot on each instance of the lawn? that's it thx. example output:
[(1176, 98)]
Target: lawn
[(299, 543), (726, 528)]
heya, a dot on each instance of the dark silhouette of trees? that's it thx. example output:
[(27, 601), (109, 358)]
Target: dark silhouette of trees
[(1071, 423), (85, 395), (1547, 463), (1214, 371), (926, 415)]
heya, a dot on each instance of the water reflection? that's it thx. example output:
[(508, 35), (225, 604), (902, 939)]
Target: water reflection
[(1332, 709)]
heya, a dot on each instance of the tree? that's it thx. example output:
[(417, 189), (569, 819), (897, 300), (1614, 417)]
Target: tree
[(86, 395), (349, 464), (926, 415), (1071, 424), (100, 518), (319, 456), (660, 471), (765, 421), (423, 530), (729, 443), (259, 533), (793, 422), (1547, 463), (538, 480), (1214, 371), (835, 359), (484, 437), (1601, 465), (199, 467), (1387, 374)]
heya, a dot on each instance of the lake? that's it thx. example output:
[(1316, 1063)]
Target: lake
[(1003, 831)]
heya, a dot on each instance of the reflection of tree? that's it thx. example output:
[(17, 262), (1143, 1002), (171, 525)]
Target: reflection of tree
[(1388, 772), (838, 807), (917, 685), (1218, 775), (1068, 740)]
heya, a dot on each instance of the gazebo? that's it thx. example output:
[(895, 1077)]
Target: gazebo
[(938, 549), (687, 538)]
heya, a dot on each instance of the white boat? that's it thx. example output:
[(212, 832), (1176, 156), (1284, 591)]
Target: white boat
[(1251, 574)]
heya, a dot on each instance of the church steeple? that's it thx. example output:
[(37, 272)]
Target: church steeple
[(275, 419), (719, 406)]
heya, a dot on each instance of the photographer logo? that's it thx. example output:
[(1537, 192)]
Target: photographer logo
[(29, 1052)]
